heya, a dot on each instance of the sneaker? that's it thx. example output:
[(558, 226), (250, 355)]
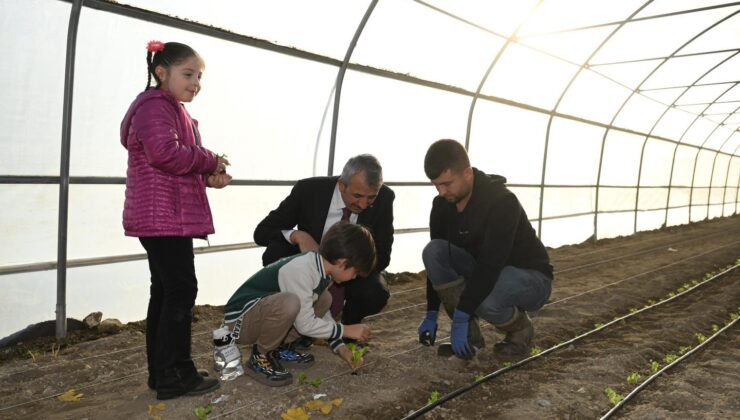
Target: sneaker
[(266, 368), (290, 357), (302, 343)]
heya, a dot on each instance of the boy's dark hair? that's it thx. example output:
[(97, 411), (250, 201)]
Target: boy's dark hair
[(353, 242), (443, 155), (173, 53)]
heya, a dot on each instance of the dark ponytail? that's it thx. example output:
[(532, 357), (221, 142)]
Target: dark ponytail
[(171, 54)]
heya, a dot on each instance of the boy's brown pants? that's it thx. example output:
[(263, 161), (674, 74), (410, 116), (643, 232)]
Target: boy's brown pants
[(270, 322)]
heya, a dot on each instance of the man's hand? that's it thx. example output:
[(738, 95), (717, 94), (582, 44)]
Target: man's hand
[(360, 332), (459, 335), (428, 329), (346, 355), (304, 241), (216, 180)]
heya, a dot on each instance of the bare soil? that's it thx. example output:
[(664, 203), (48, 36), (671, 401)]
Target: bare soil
[(594, 282)]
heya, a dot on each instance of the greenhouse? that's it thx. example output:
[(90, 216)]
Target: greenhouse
[(614, 124)]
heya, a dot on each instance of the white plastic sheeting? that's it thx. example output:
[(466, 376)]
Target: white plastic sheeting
[(591, 99)]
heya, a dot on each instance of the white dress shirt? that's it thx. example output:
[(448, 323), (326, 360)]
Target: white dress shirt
[(333, 216)]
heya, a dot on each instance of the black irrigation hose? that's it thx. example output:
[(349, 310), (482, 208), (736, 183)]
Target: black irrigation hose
[(660, 372), (522, 362)]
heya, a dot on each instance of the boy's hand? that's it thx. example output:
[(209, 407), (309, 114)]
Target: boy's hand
[(360, 332), (346, 355), (218, 180), (304, 241)]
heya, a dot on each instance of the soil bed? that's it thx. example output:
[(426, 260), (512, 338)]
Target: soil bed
[(594, 283)]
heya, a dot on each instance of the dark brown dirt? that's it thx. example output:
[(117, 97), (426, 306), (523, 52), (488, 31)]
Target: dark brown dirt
[(594, 283)]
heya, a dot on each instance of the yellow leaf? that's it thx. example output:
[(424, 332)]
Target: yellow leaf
[(337, 402), (70, 395), (295, 414), (156, 407), (314, 405)]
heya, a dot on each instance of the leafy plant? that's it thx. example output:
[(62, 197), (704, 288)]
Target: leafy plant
[(654, 366), (202, 412), (651, 302), (535, 351), (479, 377), (598, 325), (633, 310), (303, 379), (433, 398), (614, 398), (633, 378), (683, 349), (715, 328), (700, 337), (357, 352), (507, 364), (670, 358)]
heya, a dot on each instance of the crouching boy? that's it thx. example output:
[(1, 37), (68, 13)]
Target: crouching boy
[(288, 298)]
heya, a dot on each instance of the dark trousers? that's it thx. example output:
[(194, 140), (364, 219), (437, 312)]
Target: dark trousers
[(172, 297), (362, 296)]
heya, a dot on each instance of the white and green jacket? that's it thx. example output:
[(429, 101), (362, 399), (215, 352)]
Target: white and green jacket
[(301, 274)]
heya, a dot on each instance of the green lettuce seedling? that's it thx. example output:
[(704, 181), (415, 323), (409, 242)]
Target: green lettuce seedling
[(633, 378), (614, 398), (433, 398), (357, 353)]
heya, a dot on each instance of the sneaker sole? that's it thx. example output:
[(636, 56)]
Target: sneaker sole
[(264, 380)]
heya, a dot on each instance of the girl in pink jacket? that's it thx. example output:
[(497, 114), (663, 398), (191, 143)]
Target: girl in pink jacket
[(166, 207)]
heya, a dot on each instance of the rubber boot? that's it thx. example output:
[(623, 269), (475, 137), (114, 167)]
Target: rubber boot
[(449, 294), (519, 332)]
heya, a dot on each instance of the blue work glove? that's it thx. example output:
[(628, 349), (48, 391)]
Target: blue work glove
[(428, 329), (459, 335)]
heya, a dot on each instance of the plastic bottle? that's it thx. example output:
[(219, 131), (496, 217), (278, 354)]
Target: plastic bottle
[(227, 358)]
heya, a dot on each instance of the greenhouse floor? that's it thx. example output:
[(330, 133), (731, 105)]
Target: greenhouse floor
[(595, 283)]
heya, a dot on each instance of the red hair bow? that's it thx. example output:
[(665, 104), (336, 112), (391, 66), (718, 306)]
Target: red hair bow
[(155, 46)]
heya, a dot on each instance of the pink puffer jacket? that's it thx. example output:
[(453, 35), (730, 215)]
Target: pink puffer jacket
[(165, 186)]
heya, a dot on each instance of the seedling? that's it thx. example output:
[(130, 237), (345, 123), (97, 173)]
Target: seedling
[(303, 379), (633, 310), (433, 397), (700, 337), (683, 349), (633, 378), (670, 358), (535, 351), (479, 377), (654, 366), (598, 325), (357, 352), (715, 328), (652, 302), (202, 412), (614, 398), (507, 364)]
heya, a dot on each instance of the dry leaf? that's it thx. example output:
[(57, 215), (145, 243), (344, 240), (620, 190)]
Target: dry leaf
[(295, 414), (70, 395), (323, 406), (154, 408)]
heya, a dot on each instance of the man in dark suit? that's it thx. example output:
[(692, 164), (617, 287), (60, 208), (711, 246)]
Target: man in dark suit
[(313, 206)]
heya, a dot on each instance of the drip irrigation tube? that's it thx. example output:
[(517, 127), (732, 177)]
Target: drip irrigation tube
[(665, 368), (470, 386)]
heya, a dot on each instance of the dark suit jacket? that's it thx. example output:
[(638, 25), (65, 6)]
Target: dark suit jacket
[(307, 206)]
